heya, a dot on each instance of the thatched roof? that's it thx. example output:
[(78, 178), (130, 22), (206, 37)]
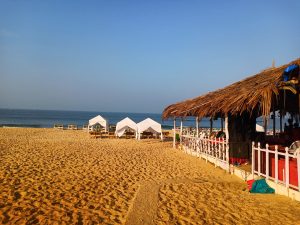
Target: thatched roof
[(252, 93)]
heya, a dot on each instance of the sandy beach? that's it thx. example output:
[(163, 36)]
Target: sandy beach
[(52, 176)]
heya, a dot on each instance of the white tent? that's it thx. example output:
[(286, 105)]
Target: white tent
[(98, 120), (149, 125), (123, 125)]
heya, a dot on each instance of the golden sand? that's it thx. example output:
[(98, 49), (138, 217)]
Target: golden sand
[(52, 176)]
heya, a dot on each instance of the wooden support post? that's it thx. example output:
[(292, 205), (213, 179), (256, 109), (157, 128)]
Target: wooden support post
[(181, 131), (258, 160), (227, 142), (197, 127), (274, 118), (265, 125), (174, 135), (211, 125), (253, 159)]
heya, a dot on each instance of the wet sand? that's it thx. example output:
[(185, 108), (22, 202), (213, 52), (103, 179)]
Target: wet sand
[(52, 176)]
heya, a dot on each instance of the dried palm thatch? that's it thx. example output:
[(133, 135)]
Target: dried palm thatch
[(253, 93)]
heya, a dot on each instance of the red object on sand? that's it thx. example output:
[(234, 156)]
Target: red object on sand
[(250, 183)]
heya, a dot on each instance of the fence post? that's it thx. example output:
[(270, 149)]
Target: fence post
[(253, 159), (276, 164), (200, 147), (287, 168), (267, 161), (258, 159), (215, 150), (227, 156)]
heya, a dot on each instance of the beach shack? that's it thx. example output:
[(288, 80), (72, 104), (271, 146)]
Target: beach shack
[(271, 95)]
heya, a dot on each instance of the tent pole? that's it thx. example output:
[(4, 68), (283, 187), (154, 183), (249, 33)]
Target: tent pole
[(181, 131), (174, 133)]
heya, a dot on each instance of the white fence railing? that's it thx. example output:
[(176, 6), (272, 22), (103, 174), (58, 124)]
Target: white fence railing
[(277, 165), (213, 150)]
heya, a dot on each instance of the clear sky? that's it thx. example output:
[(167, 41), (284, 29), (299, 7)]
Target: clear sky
[(136, 56)]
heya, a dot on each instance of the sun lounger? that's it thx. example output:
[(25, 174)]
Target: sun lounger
[(95, 134), (111, 135), (129, 134), (58, 126), (147, 135), (72, 127)]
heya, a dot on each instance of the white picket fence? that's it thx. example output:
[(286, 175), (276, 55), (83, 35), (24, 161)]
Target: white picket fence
[(279, 166), (213, 150)]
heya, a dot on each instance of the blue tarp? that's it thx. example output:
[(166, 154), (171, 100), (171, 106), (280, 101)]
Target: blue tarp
[(288, 70), (261, 186)]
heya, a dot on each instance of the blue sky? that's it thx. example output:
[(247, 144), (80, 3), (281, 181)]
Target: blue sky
[(136, 56)]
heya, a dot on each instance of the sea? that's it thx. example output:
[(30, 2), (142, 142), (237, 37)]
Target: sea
[(47, 118)]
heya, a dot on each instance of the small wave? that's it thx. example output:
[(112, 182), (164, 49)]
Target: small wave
[(20, 125)]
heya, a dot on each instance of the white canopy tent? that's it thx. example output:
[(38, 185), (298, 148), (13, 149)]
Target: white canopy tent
[(98, 120), (150, 126), (125, 124)]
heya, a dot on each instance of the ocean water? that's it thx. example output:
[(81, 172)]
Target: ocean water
[(47, 118)]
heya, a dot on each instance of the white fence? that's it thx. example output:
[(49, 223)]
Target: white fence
[(277, 165), (213, 150)]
